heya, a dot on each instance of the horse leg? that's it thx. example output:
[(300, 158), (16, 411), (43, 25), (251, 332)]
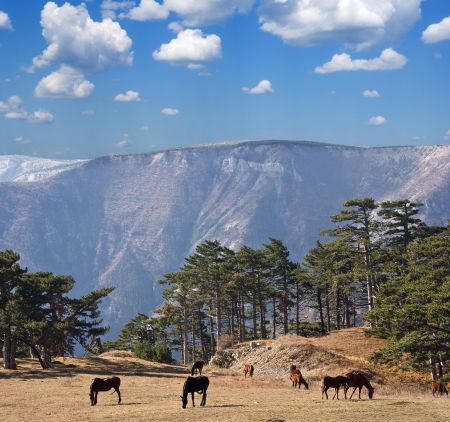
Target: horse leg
[(118, 393), (353, 392), (324, 390), (359, 395), (345, 391), (193, 403), (203, 399), (95, 398)]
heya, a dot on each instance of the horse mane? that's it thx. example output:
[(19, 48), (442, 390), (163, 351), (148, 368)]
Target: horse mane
[(366, 383)]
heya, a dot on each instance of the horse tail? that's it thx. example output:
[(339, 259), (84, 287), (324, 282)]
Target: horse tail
[(303, 381)]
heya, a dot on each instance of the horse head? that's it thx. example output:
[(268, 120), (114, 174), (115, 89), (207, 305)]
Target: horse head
[(183, 401)]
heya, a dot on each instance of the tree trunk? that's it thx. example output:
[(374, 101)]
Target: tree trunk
[(185, 337), (202, 335), (46, 358), (338, 307), (219, 321), (274, 316), (243, 317), (327, 307), (285, 306), (434, 375), (9, 350), (255, 325), (319, 304), (297, 307), (193, 337), (262, 316)]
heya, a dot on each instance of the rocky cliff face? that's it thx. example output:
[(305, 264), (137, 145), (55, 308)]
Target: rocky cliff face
[(125, 220)]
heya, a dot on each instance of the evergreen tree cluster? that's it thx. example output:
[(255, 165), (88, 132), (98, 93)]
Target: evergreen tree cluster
[(380, 265), (38, 316)]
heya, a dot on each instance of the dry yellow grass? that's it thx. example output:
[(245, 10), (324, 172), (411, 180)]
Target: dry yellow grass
[(151, 393)]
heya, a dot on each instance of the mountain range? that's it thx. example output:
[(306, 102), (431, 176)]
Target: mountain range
[(125, 220)]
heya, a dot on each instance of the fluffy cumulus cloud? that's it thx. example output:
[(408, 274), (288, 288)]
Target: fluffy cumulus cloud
[(79, 45), (5, 22), (13, 109), (388, 60), (147, 10), (190, 48), (125, 142), (203, 12), (358, 23), (377, 121), (437, 32), (263, 87), (110, 8), (65, 82), (371, 93), (128, 97), (168, 111)]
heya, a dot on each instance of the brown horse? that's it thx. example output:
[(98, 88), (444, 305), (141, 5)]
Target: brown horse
[(357, 380), (297, 378), (439, 388), (197, 366), (248, 369), (333, 382), (106, 384)]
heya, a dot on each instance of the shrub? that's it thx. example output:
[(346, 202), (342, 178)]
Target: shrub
[(222, 359)]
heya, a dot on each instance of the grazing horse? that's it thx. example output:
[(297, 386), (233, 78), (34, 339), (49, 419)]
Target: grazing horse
[(439, 388), (194, 385), (357, 380), (297, 378), (197, 366), (106, 384), (248, 369), (333, 382)]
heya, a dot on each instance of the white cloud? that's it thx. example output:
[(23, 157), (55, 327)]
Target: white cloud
[(65, 82), (447, 135), (13, 110), (190, 47), (263, 87), (5, 22), (77, 41), (147, 10), (128, 97), (22, 140), (377, 121), (41, 116), (170, 111), (204, 12), (371, 93), (144, 128), (125, 142), (110, 8), (16, 115), (437, 32), (175, 27), (388, 60), (88, 113), (358, 23)]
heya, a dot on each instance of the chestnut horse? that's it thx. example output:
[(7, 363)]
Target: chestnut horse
[(106, 384), (248, 369), (197, 366), (297, 378), (439, 388), (333, 382), (357, 380)]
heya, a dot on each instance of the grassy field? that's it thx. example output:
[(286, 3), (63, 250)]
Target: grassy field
[(151, 393)]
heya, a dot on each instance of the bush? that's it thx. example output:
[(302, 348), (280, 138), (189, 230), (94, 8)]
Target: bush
[(158, 352), (222, 359)]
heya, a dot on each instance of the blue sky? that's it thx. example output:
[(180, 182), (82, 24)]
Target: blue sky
[(79, 80)]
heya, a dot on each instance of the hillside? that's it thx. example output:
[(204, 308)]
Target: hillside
[(150, 391), (125, 220)]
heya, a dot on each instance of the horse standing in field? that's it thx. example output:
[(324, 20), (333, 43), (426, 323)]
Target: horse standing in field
[(195, 385), (197, 366), (439, 388), (357, 380), (333, 382), (248, 369), (105, 384), (297, 378)]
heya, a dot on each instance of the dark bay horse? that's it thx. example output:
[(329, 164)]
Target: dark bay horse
[(248, 369), (333, 382), (195, 385), (105, 384), (297, 378), (197, 366), (357, 380)]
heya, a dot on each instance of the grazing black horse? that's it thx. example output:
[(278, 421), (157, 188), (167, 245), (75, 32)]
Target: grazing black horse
[(334, 382), (357, 380), (195, 385), (106, 384), (197, 366)]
